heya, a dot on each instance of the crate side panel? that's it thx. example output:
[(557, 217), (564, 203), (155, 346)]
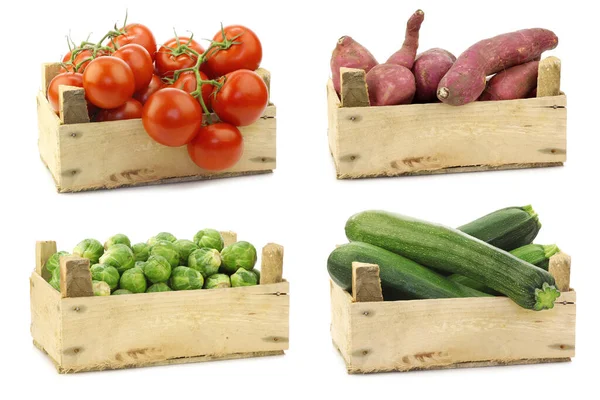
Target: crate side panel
[(137, 330), (120, 153), (340, 320), (397, 140), (424, 334), (333, 106), (45, 316), (48, 127)]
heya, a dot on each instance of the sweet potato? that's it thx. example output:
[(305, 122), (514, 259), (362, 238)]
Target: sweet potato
[(350, 54), (390, 84), (406, 55), (513, 83), (430, 66), (466, 80)]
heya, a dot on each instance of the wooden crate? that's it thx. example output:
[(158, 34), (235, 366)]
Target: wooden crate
[(105, 155), (437, 138), (378, 336), (96, 333)]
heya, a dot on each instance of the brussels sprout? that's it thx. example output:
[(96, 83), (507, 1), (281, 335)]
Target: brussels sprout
[(206, 261), (157, 269), (243, 277), (257, 273), (90, 249), (185, 248), (184, 278), (167, 250), (55, 279), (133, 280), (209, 238), (121, 291), (119, 238), (119, 256), (217, 281), (238, 255), (141, 251), (161, 236), (140, 264), (100, 288), (54, 260), (106, 273), (159, 287)]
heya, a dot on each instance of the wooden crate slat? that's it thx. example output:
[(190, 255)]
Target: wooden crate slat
[(45, 302)]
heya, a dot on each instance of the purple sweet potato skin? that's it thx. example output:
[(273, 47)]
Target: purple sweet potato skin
[(407, 53), (429, 69), (390, 84), (512, 83), (350, 54), (466, 80)]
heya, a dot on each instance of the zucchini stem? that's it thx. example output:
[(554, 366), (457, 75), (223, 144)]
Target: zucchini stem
[(550, 250), (545, 297), (529, 210)]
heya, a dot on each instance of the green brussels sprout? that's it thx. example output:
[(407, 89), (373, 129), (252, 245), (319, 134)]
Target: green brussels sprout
[(238, 255), (133, 280), (185, 248), (119, 238), (140, 264), (141, 251), (100, 288), (90, 249), (167, 250), (257, 273), (161, 236), (217, 281), (105, 273), (206, 261), (159, 287), (119, 256), (243, 277), (209, 238), (121, 291), (54, 261), (184, 278), (55, 279), (157, 269)]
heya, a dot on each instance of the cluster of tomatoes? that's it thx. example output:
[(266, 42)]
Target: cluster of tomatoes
[(176, 89)]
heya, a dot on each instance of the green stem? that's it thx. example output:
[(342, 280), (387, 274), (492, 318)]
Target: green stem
[(545, 297)]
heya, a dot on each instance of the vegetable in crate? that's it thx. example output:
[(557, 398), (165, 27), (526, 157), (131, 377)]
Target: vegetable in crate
[(466, 79), (453, 251), (390, 84), (429, 69), (210, 239), (119, 238), (169, 237), (140, 264), (512, 83), (350, 54), (90, 249), (66, 78), (55, 279), (185, 248), (243, 277), (238, 255), (121, 292), (241, 99), (159, 287), (105, 273), (119, 256), (217, 147), (100, 288), (157, 269), (184, 278), (257, 273), (53, 262), (133, 280), (141, 251), (217, 281), (206, 261), (246, 54), (108, 82), (405, 57), (167, 250)]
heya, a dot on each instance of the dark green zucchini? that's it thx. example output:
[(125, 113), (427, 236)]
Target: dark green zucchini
[(453, 251), (507, 229), (401, 278)]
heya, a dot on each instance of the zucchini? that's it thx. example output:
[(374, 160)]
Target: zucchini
[(507, 229), (453, 251), (401, 278), (536, 254)]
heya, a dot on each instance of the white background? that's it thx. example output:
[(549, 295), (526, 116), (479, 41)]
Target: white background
[(301, 205)]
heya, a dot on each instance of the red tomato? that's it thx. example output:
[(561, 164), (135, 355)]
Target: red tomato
[(82, 59), (246, 55), (172, 117), (155, 85), (140, 63), (137, 34), (108, 82), (187, 83), (167, 62), (132, 109), (65, 78), (242, 99), (217, 147)]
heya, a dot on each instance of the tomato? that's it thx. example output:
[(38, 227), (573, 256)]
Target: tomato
[(187, 83), (172, 117), (246, 55), (82, 59), (65, 78), (217, 147), (167, 62), (242, 99), (108, 82), (137, 34), (140, 63), (155, 85), (132, 109)]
